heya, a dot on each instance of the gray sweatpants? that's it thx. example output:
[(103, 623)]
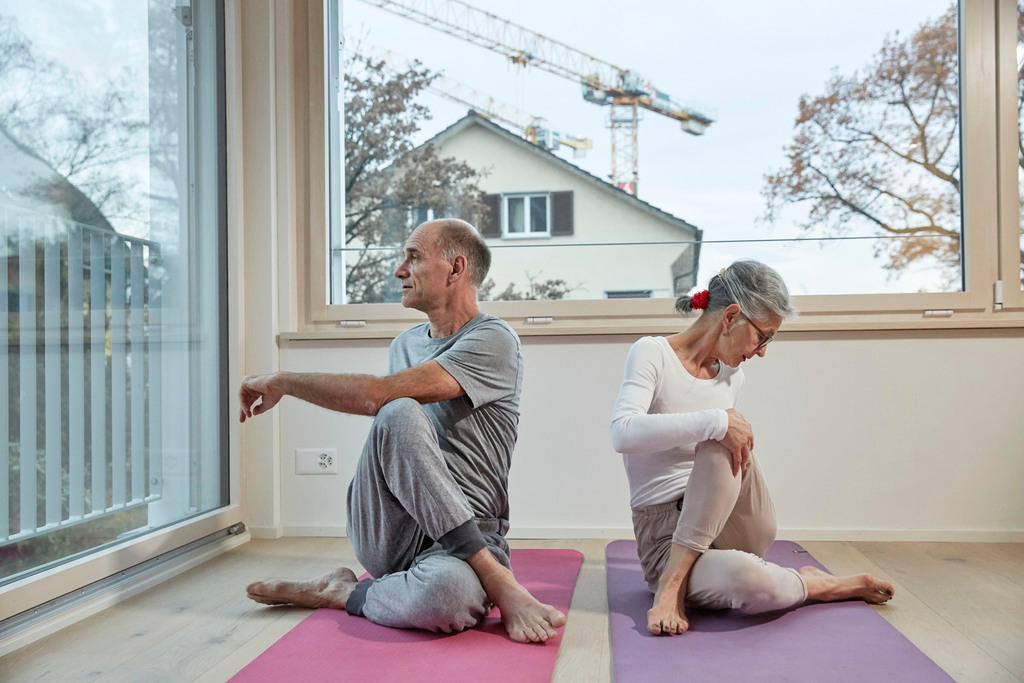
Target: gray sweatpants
[(731, 522), (412, 529)]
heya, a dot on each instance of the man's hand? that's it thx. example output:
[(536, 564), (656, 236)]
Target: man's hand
[(263, 387), (739, 440)]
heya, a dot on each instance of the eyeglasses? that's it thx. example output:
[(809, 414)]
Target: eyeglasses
[(763, 339)]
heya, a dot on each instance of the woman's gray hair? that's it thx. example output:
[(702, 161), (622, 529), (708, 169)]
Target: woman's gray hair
[(757, 288)]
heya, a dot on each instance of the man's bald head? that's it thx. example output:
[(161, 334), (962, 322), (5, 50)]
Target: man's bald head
[(455, 236)]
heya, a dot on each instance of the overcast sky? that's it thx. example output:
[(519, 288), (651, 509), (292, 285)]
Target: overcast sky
[(745, 63)]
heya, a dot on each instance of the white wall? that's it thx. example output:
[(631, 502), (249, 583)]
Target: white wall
[(861, 435), (598, 216)]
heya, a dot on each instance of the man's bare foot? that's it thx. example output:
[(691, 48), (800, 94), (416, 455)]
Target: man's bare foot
[(667, 617), (827, 588), (526, 619), (330, 590)]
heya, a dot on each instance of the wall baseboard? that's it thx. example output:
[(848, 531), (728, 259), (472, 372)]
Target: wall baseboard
[(914, 535), (118, 593), (891, 535), (263, 532)]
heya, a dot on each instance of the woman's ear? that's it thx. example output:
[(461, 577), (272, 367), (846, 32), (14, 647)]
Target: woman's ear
[(730, 314)]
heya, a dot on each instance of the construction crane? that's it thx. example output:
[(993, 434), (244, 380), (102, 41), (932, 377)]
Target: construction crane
[(603, 83), (533, 128)]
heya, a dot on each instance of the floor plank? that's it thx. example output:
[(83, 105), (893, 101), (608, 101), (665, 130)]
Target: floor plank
[(970, 587), (959, 602), (913, 615)]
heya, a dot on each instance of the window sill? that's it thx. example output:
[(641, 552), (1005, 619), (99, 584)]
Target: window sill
[(538, 319)]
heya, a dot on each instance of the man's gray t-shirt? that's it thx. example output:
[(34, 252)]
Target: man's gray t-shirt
[(477, 432)]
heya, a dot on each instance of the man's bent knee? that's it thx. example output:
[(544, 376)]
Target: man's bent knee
[(400, 412)]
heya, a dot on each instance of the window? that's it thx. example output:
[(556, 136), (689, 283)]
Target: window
[(525, 215), (112, 216), (888, 229), (629, 294)]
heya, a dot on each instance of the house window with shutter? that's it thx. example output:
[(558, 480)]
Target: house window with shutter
[(527, 214)]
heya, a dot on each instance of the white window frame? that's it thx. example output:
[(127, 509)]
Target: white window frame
[(989, 203), (36, 589), (526, 197)]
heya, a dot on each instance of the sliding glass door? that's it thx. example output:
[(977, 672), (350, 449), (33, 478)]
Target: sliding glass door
[(112, 233)]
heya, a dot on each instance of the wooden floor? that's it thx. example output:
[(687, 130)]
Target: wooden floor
[(961, 603)]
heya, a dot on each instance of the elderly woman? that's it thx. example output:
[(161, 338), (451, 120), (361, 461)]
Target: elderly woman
[(702, 514)]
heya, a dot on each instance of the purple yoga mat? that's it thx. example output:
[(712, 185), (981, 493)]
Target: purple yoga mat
[(839, 641), (332, 645)]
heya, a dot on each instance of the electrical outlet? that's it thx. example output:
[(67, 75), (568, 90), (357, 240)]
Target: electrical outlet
[(316, 461)]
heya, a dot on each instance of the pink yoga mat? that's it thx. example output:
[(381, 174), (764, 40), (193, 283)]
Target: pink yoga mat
[(835, 642), (332, 645)]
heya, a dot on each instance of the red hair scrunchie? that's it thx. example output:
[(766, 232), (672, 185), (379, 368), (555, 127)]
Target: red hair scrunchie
[(699, 300)]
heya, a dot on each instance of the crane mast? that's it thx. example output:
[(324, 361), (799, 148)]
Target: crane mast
[(603, 83)]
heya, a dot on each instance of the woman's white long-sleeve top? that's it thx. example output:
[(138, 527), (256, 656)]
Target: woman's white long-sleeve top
[(661, 414)]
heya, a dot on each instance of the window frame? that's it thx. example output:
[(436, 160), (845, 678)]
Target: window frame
[(36, 589), (985, 182), (1008, 133), (527, 211)]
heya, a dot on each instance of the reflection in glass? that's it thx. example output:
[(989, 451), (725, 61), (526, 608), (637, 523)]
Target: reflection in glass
[(539, 214), (109, 358), (516, 211)]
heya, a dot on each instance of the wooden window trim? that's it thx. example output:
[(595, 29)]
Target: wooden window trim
[(990, 199)]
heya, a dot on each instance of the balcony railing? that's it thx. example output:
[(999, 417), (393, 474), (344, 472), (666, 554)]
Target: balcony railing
[(80, 357)]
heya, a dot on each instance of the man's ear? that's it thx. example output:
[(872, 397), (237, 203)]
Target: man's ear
[(459, 268)]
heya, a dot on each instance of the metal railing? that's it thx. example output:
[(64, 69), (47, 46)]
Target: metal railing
[(80, 357)]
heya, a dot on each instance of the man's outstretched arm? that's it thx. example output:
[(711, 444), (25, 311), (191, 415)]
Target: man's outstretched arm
[(354, 394)]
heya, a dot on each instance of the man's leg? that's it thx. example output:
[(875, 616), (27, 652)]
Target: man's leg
[(408, 486), (402, 491), (437, 593), (403, 497)]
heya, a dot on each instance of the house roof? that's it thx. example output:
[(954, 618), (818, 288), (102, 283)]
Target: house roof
[(472, 118)]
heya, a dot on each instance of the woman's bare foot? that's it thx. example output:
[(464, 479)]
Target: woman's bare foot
[(827, 588), (330, 590), (667, 617)]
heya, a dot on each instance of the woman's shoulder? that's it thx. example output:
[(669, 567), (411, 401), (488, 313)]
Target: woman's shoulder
[(651, 344)]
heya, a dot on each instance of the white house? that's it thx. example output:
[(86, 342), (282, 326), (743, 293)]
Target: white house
[(565, 222)]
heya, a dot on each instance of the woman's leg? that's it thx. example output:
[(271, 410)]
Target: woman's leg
[(711, 495)]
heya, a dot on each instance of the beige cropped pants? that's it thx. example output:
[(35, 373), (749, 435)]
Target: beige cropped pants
[(730, 520)]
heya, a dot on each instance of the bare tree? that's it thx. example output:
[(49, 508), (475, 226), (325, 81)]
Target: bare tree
[(85, 136), (388, 179), (880, 149)]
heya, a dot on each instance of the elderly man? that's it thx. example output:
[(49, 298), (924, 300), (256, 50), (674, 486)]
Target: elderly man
[(428, 506)]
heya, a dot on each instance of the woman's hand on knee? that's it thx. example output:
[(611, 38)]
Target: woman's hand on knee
[(738, 440)]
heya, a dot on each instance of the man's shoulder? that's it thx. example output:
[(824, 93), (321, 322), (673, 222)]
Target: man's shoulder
[(490, 331), (414, 332), (485, 322)]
